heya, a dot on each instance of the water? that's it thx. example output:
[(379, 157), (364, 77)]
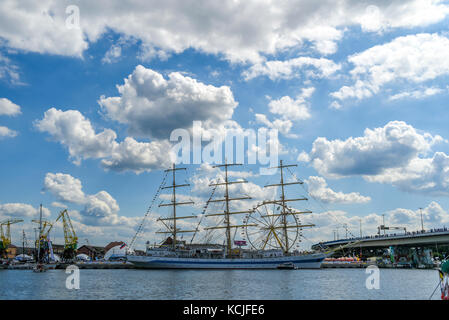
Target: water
[(219, 284)]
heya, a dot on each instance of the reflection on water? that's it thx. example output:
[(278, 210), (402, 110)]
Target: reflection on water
[(219, 284)]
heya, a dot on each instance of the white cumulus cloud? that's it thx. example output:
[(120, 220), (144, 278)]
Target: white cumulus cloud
[(8, 108), (413, 59), (396, 154), (73, 130), (292, 68), (391, 146), (319, 189), (98, 209), (5, 132), (154, 106), (238, 30), (21, 210), (292, 109)]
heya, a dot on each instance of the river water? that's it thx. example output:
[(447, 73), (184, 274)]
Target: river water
[(220, 284)]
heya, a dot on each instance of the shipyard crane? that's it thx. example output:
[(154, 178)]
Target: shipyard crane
[(43, 245), (44, 229), (5, 240), (70, 238)]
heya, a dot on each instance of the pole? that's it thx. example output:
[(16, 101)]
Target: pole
[(360, 228), (174, 209), (422, 223), (228, 222), (23, 243)]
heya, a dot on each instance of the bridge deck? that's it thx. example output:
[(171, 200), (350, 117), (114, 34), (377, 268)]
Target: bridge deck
[(409, 239)]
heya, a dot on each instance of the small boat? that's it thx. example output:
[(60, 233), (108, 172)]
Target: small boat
[(21, 266), (39, 268), (286, 266)]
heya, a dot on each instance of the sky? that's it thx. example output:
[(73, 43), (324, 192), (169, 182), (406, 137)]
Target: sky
[(91, 92)]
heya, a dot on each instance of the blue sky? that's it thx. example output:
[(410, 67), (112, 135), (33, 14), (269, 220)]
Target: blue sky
[(359, 98)]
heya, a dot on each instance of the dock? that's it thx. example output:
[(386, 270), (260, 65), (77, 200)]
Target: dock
[(98, 265), (80, 265), (326, 265)]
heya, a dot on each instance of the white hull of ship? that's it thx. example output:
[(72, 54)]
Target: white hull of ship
[(312, 261)]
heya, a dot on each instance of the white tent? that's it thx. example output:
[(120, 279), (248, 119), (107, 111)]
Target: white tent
[(23, 257), (83, 257), (117, 252)]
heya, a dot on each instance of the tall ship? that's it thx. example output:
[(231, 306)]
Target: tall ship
[(271, 229)]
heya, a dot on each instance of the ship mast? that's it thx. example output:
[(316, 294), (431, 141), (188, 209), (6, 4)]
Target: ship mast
[(285, 210), (227, 213), (23, 243), (173, 230)]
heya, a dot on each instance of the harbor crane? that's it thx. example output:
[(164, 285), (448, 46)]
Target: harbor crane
[(70, 238), (45, 229), (43, 245), (5, 236)]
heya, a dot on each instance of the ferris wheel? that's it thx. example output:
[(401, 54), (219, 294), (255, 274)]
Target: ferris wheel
[(272, 225)]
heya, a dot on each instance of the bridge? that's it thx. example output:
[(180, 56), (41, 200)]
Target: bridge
[(430, 238)]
